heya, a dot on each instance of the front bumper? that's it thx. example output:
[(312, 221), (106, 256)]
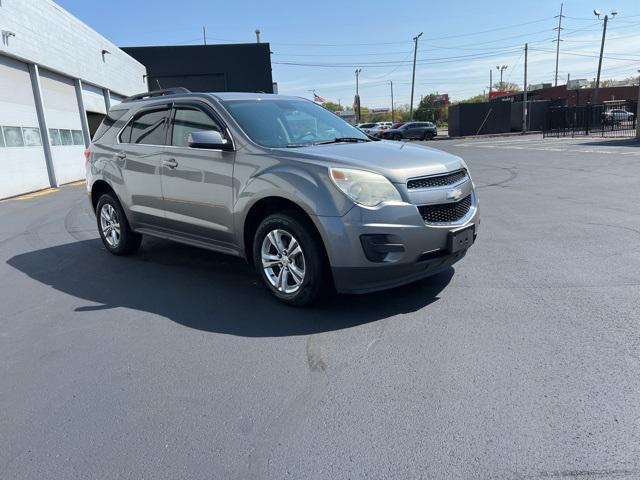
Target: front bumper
[(424, 249)]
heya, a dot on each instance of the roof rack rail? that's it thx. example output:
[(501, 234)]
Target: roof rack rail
[(156, 93)]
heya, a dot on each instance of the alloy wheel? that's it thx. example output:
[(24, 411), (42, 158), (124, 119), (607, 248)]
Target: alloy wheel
[(110, 224), (283, 261)]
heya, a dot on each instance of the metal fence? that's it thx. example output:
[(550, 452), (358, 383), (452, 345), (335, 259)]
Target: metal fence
[(611, 119)]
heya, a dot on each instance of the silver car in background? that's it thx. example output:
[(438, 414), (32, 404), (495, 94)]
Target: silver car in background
[(305, 197)]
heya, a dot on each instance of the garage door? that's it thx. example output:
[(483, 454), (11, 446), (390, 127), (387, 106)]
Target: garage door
[(22, 160), (65, 129), (93, 99)]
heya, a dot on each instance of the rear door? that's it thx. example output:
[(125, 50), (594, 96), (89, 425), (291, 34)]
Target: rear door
[(410, 130), (196, 182), (139, 151)]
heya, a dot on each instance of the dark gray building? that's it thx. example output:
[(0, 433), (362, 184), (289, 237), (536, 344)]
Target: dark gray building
[(244, 67)]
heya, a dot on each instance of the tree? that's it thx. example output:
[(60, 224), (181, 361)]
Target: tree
[(506, 87), (430, 109), (479, 98), (334, 107)]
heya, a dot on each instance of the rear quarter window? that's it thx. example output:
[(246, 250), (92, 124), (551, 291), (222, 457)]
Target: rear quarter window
[(109, 121)]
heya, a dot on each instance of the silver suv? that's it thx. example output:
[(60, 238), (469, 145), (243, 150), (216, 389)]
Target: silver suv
[(282, 182)]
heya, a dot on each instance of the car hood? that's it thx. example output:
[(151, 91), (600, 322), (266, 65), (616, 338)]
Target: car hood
[(397, 161)]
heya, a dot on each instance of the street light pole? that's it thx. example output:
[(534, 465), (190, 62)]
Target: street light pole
[(502, 69), (392, 109), (490, 82), (604, 34), (357, 100), (413, 78), (524, 98)]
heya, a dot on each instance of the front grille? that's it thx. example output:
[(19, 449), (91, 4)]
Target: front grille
[(437, 180), (445, 212)]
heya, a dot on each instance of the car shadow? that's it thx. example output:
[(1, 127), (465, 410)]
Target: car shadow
[(206, 291)]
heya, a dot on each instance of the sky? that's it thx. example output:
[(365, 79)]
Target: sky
[(318, 45)]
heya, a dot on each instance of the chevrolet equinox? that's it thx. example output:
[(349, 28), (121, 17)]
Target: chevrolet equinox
[(305, 197)]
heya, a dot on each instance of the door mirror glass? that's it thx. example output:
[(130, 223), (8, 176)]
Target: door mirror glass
[(208, 139)]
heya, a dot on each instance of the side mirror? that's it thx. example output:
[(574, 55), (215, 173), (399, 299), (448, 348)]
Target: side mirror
[(208, 139)]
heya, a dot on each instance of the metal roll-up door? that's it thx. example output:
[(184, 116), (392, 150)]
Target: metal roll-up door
[(65, 128), (22, 160), (93, 98)]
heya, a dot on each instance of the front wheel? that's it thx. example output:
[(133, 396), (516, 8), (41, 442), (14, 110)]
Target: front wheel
[(290, 259), (428, 136), (397, 137)]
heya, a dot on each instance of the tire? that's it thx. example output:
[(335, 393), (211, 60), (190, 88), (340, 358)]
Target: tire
[(428, 136), (297, 279), (397, 137), (113, 226)]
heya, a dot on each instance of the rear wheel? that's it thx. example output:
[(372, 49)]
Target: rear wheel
[(114, 229), (290, 259)]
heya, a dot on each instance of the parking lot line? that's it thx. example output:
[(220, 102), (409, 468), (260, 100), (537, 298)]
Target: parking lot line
[(39, 193), (565, 145)]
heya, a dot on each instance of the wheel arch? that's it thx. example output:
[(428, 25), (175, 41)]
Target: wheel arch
[(269, 205), (99, 188)]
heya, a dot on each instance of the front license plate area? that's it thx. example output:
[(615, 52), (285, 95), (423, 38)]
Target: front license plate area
[(460, 239)]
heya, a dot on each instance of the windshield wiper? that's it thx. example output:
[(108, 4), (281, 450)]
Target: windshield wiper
[(343, 140)]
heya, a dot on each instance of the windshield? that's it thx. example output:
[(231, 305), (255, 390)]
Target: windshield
[(289, 123)]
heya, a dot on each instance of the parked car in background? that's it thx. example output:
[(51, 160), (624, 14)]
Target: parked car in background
[(307, 199), (366, 127), (617, 115), (375, 131), (412, 131)]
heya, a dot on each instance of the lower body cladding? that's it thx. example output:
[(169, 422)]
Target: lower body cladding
[(374, 249)]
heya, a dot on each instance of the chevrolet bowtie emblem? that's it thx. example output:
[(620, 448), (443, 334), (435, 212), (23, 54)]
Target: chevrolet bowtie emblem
[(454, 194)]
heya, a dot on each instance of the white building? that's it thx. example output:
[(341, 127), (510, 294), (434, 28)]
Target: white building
[(57, 80)]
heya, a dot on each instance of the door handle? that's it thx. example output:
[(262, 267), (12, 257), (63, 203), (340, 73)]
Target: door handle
[(121, 155), (171, 163)]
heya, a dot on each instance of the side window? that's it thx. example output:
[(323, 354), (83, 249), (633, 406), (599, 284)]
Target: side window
[(147, 128), (190, 119)]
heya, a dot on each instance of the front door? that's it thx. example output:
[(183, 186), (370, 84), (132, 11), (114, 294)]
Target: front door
[(197, 183)]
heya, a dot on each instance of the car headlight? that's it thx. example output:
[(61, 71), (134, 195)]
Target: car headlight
[(365, 188)]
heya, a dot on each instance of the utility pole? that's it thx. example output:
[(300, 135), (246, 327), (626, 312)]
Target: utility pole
[(604, 34), (490, 82), (558, 43), (524, 98), (393, 114), (413, 78), (638, 112), (204, 34), (357, 99), (568, 78), (257, 35)]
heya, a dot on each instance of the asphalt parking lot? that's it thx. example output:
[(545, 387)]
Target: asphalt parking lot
[(521, 362)]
